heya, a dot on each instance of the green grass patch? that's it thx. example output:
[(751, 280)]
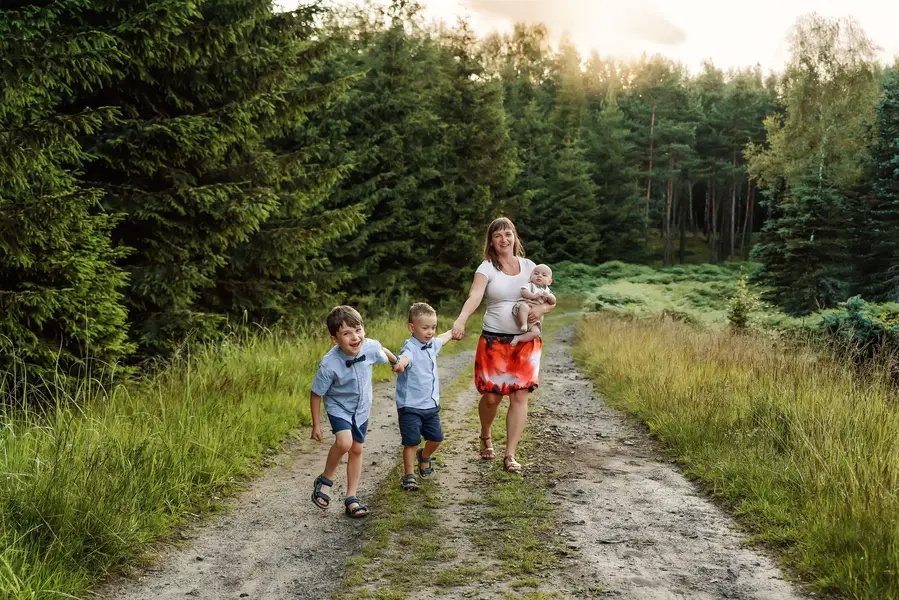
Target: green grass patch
[(803, 450), (85, 485)]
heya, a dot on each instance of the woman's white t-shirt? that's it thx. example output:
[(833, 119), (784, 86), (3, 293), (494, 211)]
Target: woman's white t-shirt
[(502, 292)]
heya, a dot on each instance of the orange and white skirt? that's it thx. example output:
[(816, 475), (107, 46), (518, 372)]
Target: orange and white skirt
[(502, 369)]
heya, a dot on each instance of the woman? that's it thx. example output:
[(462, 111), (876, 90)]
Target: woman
[(500, 369)]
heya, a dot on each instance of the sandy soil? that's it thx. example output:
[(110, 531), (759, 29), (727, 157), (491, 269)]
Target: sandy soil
[(633, 526)]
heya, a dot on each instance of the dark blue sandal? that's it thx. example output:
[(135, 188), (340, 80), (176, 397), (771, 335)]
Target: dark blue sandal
[(317, 492), (427, 471), (354, 512), (409, 483)]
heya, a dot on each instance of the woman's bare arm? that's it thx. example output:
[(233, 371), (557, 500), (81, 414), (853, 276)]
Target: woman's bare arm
[(475, 295)]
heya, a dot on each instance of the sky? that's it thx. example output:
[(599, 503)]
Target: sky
[(731, 35)]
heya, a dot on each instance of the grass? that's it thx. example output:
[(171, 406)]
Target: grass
[(803, 450), (87, 485), (402, 549)]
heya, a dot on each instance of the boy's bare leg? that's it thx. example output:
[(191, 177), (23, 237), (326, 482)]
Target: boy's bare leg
[(343, 441), (409, 459), (430, 449), (353, 468), (532, 334), (524, 309)]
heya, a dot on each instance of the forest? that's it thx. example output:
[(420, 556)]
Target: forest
[(176, 169)]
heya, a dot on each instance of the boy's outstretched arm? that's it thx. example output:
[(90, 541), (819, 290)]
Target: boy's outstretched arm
[(315, 407), (445, 336)]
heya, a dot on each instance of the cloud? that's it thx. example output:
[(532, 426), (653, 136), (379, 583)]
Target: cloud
[(651, 26), (594, 20)]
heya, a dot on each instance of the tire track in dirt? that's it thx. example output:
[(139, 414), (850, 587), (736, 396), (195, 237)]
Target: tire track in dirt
[(272, 542)]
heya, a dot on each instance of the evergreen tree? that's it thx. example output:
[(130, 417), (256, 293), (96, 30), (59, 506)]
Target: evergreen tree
[(816, 155), (880, 259), (282, 269), (389, 128), (806, 262), (206, 84), (565, 225), (478, 167), (622, 219), (60, 298)]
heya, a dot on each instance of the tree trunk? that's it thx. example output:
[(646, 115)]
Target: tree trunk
[(684, 206), (668, 205), (706, 222), (751, 223), (712, 240), (733, 209), (652, 126), (744, 241)]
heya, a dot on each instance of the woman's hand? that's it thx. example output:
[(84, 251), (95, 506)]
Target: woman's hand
[(537, 311), (458, 329)]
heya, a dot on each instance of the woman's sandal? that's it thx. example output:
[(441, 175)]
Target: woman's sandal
[(354, 512), (409, 483), (318, 493), (487, 452), (512, 465), (427, 471)]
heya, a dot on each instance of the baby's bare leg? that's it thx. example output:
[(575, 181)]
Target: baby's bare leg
[(532, 334), (524, 309)]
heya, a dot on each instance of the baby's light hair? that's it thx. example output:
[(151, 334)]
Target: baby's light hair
[(420, 309)]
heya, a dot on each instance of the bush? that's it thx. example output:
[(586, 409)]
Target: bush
[(743, 303)]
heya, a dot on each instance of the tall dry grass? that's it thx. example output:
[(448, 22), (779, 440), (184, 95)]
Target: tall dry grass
[(804, 450)]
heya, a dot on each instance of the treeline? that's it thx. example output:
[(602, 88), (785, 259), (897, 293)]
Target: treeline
[(170, 167)]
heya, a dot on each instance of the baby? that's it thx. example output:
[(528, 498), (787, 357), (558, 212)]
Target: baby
[(535, 292)]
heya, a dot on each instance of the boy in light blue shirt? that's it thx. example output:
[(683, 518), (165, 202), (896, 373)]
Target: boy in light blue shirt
[(418, 393), (343, 381)]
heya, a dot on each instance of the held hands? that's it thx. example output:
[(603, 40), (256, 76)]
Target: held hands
[(400, 365), (458, 330)]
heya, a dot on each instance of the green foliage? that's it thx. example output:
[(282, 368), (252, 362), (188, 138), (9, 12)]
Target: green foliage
[(741, 306), (866, 331), (205, 86), (879, 252), (60, 302)]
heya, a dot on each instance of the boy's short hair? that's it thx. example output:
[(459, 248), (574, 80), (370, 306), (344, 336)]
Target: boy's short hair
[(343, 315), (420, 309)]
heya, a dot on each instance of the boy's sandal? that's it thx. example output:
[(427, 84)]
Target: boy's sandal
[(427, 471), (354, 512), (317, 492), (512, 465), (409, 483), (487, 452)]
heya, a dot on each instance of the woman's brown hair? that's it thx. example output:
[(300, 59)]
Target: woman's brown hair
[(502, 223)]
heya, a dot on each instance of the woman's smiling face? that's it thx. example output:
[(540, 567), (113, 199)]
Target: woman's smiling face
[(503, 241)]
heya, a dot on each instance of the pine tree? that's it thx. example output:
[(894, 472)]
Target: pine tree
[(389, 126), (282, 269), (478, 166), (60, 297), (206, 84), (880, 260), (806, 262), (623, 225), (567, 219)]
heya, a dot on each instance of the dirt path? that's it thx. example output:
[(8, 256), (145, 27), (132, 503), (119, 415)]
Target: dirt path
[(641, 529), (273, 543), (630, 525)]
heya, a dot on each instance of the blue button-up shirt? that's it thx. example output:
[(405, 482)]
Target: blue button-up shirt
[(418, 386), (347, 390)]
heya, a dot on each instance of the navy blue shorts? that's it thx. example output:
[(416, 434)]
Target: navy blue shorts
[(420, 423), (338, 424)]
